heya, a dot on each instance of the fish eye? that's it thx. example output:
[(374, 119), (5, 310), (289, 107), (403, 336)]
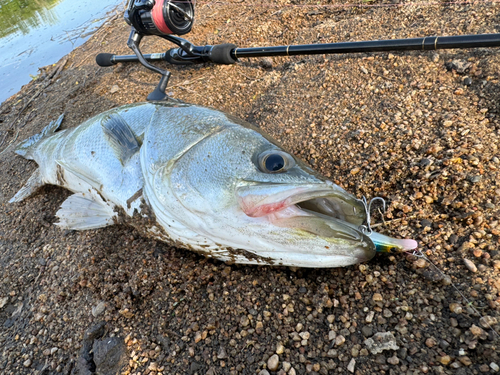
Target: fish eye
[(274, 161)]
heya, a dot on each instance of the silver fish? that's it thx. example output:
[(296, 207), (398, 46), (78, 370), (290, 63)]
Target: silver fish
[(204, 180)]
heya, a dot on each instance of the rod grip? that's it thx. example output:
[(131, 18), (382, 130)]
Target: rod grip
[(221, 54), (105, 59)]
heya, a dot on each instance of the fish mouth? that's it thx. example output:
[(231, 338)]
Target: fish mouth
[(325, 210), (282, 201)]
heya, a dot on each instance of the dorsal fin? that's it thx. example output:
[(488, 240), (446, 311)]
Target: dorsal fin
[(120, 137)]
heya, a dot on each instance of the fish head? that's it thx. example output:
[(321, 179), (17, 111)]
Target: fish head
[(243, 191)]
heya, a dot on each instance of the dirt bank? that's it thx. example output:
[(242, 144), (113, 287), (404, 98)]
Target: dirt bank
[(402, 126)]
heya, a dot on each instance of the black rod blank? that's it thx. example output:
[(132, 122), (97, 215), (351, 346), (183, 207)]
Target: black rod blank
[(415, 44)]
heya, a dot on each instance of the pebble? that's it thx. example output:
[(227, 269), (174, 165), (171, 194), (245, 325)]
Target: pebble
[(264, 372), (430, 342), (330, 318), (445, 359), (494, 367), (377, 297), (455, 308), (470, 265), (27, 363), (286, 366), (366, 330), (420, 263), (280, 349), (332, 335), (98, 309), (488, 321), (466, 361), (476, 331), (299, 327), (3, 301), (273, 362), (381, 341), (351, 365), (305, 335), (484, 368), (114, 89), (394, 360), (339, 340), (370, 316)]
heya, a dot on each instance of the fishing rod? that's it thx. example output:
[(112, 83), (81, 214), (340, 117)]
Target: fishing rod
[(164, 18)]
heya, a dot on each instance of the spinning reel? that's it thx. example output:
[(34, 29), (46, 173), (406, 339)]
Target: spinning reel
[(167, 18)]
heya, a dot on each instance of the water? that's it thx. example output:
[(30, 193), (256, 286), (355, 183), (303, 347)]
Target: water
[(35, 33)]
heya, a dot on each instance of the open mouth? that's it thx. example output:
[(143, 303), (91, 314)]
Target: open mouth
[(325, 210), (282, 201)]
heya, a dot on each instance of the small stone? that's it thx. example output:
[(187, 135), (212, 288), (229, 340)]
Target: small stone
[(126, 313), (330, 318), (467, 81), (292, 371), (332, 335), (420, 263), (474, 179), (53, 350), (259, 326), (465, 361), (27, 363), (222, 353), (339, 340), (114, 89), (366, 330), (377, 297), (98, 309), (280, 349), (266, 63), (394, 360), (264, 372), (430, 342), (476, 331), (445, 360), (488, 321), (197, 337), (305, 335), (3, 301), (381, 341), (299, 327), (370, 316), (351, 365), (484, 368), (455, 308), (286, 366), (494, 367), (470, 265), (273, 362), (244, 321)]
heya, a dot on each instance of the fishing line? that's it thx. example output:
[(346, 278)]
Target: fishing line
[(419, 254)]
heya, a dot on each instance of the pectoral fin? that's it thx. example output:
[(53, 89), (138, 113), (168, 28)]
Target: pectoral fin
[(120, 137), (85, 211)]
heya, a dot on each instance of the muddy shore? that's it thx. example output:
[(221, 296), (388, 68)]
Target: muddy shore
[(421, 130)]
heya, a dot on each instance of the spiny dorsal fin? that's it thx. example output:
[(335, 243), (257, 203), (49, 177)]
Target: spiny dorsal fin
[(28, 146), (120, 137), (32, 185), (85, 211)]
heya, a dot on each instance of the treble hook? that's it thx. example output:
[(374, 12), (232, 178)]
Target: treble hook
[(366, 229)]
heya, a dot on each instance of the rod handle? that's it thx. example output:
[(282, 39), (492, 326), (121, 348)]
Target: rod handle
[(105, 59)]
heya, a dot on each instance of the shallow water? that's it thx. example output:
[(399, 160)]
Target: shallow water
[(36, 33)]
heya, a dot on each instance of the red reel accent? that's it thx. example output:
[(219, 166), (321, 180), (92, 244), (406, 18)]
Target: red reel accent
[(159, 21)]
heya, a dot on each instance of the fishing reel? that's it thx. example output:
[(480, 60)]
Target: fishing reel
[(160, 17)]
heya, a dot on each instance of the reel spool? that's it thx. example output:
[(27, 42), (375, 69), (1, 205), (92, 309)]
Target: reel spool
[(160, 17)]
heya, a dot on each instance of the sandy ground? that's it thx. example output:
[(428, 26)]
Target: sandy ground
[(401, 126)]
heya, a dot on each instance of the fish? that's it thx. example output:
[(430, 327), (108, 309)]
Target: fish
[(203, 180)]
